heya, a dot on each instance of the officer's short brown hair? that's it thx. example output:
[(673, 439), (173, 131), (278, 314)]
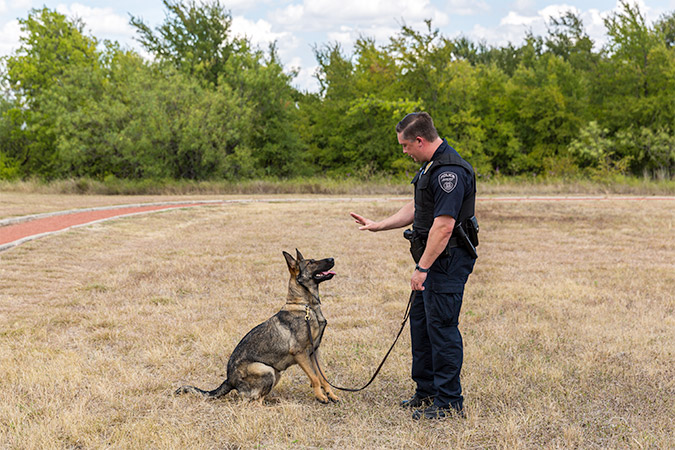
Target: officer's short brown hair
[(417, 124)]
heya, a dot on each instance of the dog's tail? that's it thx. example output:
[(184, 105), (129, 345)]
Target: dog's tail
[(221, 390)]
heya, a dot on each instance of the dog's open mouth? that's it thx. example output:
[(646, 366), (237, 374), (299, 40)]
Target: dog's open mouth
[(323, 276)]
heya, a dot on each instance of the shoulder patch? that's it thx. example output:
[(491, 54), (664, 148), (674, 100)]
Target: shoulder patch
[(447, 181)]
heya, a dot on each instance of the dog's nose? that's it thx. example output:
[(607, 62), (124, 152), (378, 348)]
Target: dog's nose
[(331, 260)]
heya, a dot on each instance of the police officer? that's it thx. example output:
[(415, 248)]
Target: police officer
[(445, 192)]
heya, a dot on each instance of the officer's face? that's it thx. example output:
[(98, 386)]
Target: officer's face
[(411, 148)]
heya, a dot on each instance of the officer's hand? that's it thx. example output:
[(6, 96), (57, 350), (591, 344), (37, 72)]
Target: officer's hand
[(417, 280), (366, 224)]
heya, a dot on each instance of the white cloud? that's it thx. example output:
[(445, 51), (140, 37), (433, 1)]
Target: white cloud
[(9, 37), (13, 5), (292, 14), (467, 7), (497, 36), (344, 22), (328, 15), (513, 27), (103, 23), (258, 32), (522, 18), (557, 11), (594, 25), (20, 4), (233, 4), (524, 5), (542, 16), (345, 36), (360, 10), (517, 20), (305, 79)]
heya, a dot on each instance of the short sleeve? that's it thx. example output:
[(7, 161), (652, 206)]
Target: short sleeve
[(449, 184)]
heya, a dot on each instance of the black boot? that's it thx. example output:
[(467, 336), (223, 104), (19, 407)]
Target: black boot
[(417, 402), (435, 412)]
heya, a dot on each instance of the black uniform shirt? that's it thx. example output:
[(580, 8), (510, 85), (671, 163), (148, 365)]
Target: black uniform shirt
[(449, 184)]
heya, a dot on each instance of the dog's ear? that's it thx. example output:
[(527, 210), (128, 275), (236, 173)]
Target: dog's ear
[(292, 263), (298, 255)]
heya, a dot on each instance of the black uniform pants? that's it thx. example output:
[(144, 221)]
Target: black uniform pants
[(437, 348)]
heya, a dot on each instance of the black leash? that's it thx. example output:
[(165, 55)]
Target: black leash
[(316, 361)]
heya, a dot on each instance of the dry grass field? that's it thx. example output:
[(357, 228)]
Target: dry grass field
[(568, 324)]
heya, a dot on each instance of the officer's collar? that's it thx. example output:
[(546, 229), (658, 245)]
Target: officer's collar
[(440, 150), (427, 165), (437, 154)]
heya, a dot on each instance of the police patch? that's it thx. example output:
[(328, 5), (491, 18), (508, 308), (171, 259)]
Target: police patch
[(447, 181)]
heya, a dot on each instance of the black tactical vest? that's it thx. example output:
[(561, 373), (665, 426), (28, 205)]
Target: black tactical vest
[(424, 198)]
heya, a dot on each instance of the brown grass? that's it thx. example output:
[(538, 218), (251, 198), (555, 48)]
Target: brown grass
[(568, 324), (352, 186)]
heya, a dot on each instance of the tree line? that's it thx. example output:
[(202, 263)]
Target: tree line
[(209, 105)]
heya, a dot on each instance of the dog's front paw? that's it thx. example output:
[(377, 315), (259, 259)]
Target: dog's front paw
[(323, 399)]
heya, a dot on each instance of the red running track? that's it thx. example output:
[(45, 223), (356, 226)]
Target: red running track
[(15, 234)]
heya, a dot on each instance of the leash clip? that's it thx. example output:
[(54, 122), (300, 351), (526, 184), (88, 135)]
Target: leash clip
[(307, 313)]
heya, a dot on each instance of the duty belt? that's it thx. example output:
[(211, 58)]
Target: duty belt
[(459, 238), (452, 243)]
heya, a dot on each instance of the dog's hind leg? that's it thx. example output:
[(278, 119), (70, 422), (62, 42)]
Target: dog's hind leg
[(258, 381), (221, 390)]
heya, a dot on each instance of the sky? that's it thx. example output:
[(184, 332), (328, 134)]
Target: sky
[(297, 26)]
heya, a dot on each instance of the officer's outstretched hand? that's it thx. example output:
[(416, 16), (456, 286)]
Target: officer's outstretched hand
[(366, 224)]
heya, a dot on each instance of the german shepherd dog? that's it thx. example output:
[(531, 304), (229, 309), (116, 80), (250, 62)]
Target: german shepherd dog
[(257, 361)]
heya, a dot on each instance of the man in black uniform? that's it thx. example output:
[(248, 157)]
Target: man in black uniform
[(443, 245)]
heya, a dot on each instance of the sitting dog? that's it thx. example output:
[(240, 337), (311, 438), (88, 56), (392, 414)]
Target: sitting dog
[(257, 361)]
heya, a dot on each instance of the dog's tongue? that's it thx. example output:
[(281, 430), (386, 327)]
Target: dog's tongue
[(328, 272)]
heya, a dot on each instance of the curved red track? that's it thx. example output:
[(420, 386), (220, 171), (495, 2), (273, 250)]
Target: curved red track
[(33, 227)]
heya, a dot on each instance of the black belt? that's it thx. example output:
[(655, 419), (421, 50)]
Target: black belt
[(452, 243)]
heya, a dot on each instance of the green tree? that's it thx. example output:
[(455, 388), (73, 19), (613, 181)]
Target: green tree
[(501, 144), (630, 42), (51, 46), (593, 147), (448, 87), (635, 83), (568, 39), (194, 38), (324, 112), (131, 120), (421, 58), (271, 132), (665, 26), (652, 150), (9, 166)]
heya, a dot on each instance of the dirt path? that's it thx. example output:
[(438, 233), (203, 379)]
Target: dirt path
[(18, 230)]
